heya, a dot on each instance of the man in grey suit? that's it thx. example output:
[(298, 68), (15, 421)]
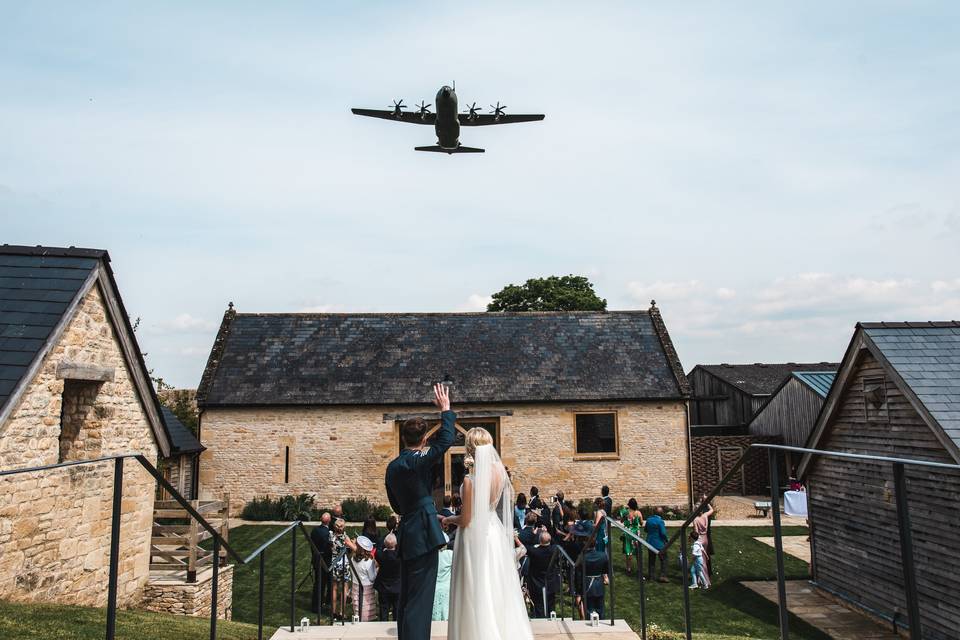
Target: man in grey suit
[(409, 483)]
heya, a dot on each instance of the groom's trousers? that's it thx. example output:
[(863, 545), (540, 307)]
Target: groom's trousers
[(418, 584)]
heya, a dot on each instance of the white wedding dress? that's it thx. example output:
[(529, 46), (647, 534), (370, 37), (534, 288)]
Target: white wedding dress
[(485, 598)]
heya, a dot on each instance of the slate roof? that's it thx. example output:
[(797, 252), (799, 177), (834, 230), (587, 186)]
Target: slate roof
[(760, 379), (37, 286), (818, 381), (351, 359), (182, 439), (926, 355)]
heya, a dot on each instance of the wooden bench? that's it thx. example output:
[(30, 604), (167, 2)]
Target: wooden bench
[(763, 508)]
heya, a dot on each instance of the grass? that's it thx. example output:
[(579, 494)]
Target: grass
[(728, 610), (62, 622)]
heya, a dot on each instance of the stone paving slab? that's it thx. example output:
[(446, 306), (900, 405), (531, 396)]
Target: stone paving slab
[(542, 630), (797, 546), (834, 619)]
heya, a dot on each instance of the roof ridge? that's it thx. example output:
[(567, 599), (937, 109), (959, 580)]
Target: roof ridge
[(216, 354), (39, 250), (485, 314), (683, 385), (915, 324)]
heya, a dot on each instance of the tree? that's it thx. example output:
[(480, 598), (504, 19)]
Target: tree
[(556, 293)]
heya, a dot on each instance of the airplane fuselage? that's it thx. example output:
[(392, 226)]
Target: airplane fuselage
[(447, 125)]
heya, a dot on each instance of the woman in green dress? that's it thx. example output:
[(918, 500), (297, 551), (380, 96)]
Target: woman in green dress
[(632, 520)]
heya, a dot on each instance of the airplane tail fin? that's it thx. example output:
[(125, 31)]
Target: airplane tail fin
[(460, 149)]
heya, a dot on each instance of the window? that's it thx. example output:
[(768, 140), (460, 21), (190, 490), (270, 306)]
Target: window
[(79, 423), (286, 464), (596, 435), (875, 399)]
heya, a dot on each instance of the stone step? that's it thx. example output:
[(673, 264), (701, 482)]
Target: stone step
[(542, 630)]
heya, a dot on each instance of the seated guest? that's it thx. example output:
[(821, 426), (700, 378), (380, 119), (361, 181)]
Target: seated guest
[(519, 511), (362, 550), (537, 578), (387, 584), (321, 549), (528, 534), (441, 597)]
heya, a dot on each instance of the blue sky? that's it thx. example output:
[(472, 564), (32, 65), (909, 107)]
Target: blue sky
[(771, 173)]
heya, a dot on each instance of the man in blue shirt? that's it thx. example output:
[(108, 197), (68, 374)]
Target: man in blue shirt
[(657, 538)]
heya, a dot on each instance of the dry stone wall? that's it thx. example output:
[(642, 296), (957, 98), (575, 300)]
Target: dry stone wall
[(341, 452), (55, 526), (191, 599)]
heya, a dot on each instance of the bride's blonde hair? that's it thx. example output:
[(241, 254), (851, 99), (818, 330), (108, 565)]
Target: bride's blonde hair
[(476, 437)]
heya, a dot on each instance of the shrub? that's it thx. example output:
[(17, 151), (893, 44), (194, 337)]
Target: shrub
[(262, 508), (296, 507), (586, 503)]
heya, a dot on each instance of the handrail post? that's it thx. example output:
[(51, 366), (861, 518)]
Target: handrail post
[(778, 543), (610, 567), (114, 548), (214, 585), (193, 535), (685, 569), (260, 601), (643, 595), (906, 552), (293, 577)]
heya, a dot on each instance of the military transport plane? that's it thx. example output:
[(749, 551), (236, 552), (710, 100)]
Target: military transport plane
[(447, 121)]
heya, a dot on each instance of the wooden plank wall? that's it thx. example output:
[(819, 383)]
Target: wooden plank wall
[(791, 414), (715, 402), (856, 544)]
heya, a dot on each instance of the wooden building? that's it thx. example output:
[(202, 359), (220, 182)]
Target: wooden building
[(181, 467), (730, 395), (311, 403), (897, 393), (791, 411)]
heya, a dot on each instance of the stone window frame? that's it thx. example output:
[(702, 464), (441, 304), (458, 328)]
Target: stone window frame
[(606, 455)]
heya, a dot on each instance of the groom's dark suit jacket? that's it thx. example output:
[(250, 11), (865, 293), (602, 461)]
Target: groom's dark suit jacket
[(409, 483)]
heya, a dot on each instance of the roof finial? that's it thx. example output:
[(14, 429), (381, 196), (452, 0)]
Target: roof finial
[(653, 304), (230, 306)]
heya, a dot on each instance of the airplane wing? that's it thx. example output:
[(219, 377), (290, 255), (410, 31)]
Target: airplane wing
[(411, 117), (483, 119)]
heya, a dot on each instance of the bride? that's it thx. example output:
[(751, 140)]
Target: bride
[(485, 600)]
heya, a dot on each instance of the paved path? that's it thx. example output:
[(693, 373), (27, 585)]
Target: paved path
[(542, 630), (797, 546), (833, 619)]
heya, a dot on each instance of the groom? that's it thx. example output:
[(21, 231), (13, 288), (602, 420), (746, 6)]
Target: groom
[(409, 483)]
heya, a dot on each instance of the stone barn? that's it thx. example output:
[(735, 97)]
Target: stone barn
[(293, 403), (73, 386), (897, 394)]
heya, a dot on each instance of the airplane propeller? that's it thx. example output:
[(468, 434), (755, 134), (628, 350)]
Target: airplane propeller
[(397, 106), (498, 110), (422, 108), (473, 111)]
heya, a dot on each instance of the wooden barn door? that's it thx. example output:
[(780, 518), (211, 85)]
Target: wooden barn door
[(726, 458), (452, 468)]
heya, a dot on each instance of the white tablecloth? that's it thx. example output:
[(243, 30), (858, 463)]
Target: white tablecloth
[(795, 503)]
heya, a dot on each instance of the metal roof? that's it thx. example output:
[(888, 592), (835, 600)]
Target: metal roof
[(818, 381), (182, 439)]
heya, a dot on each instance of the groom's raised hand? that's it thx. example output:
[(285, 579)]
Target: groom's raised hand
[(441, 396)]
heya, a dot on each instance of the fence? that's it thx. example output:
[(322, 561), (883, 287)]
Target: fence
[(176, 536)]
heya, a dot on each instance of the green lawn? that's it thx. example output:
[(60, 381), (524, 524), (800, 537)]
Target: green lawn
[(60, 622), (726, 610)]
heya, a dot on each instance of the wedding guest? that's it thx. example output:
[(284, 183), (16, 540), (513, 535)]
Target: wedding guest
[(528, 534), (632, 520), (339, 572), (338, 512), (698, 573), (656, 530), (392, 523), (607, 500), (596, 567), (371, 531), (387, 584), (320, 536), (519, 511), (556, 513), (535, 501), (701, 525), (599, 524), (441, 597), (537, 578), (367, 571)]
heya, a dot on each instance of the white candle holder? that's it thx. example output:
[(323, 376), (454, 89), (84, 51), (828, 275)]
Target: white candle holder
[(304, 624), (553, 616), (594, 619)]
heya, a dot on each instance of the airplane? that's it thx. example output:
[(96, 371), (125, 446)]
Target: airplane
[(447, 121)]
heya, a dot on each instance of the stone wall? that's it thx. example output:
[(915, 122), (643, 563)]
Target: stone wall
[(705, 451), (191, 599), (55, 526), (341, 452)]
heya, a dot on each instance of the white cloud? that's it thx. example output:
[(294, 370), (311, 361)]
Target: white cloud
[(475, 302), (661, 290), (725, 294), (183, 323)]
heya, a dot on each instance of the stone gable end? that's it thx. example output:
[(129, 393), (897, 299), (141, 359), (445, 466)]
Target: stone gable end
[(55, 525)]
